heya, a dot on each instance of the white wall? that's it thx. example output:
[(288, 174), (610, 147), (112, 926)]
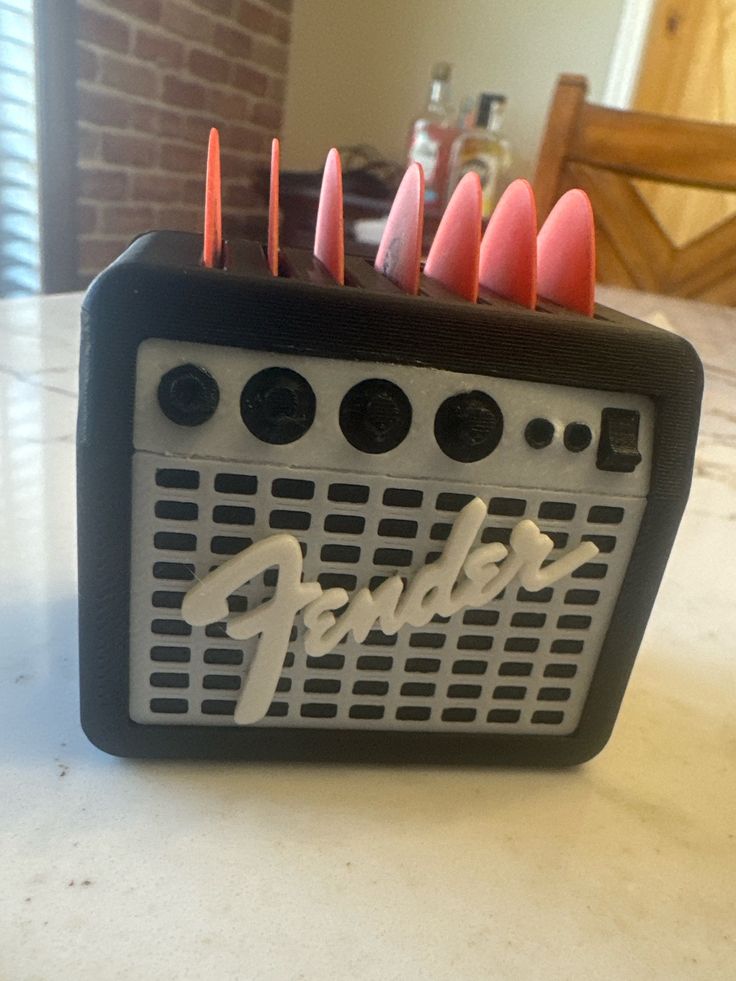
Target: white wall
[(359, 69)]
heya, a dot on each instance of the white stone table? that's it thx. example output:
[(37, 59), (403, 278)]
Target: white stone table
[(622, 868)]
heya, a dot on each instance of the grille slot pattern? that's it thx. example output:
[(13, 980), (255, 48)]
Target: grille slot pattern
[(522, 664)]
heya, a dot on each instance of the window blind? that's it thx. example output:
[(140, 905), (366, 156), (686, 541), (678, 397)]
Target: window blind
[(19, 211)]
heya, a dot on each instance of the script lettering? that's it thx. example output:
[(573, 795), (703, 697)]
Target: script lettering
[(273, 620), (461, 577)]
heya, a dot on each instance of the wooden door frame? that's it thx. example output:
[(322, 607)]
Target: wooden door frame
[(55, 26), (627, 54)]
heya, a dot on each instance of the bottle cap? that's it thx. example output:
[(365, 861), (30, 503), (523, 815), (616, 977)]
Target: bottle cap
[(441, 71), (486, 101)]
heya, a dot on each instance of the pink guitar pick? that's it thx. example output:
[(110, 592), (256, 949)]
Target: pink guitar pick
[(454, 255), (329, 239), (400, 250), (566, 254), (508, 252)]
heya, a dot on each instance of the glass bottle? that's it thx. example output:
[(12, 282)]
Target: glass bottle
[(466, 113), (431, 137), (483, 149)]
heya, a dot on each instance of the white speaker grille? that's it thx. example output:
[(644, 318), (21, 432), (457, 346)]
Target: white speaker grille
[(521, 665)]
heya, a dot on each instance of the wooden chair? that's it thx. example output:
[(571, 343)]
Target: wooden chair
[(603, 151)]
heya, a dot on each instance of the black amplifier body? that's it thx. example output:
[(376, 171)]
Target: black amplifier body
[(310, 437)]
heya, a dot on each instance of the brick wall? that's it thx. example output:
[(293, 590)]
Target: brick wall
[(154, 75)]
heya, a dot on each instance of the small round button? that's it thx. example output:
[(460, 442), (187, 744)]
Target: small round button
[(469, 426), (577, 437), (277, 405), (188, 395), (375, 416), (539, 433)]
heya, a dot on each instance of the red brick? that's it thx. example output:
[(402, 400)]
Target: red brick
[(229, 104), (149, 10), (98, 184), (166, 52), (157, 188), (192, 129), (86, 217), (129, 76), (269, 55), (254, 18), (240, 225), (96, 253), (248, 139), (89, 143), (172, 122), (130, 219), (267, 114), (196, 129), (88, 64), (145, 118), (240, 196), (182, 219), (248, 79), (241, 164), (205, 65), (126, 149), (234, 56), (277, 89), (185, 22), (102, 108), (103, 30), (281, 29), (233, 40), (183, 159), (194, 190), (189, 95)]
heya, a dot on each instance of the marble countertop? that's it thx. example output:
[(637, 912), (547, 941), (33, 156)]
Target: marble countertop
[(625, 867)]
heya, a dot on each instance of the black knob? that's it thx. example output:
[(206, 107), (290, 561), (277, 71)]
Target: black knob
[(469, 426), (188, 395), (577, 437), (277, 405), (539, 433), (375, 416)]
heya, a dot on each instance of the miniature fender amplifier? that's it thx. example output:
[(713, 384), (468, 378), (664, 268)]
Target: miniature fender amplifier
[(324, 514)]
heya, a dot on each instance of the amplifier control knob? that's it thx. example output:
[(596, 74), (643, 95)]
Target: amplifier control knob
[(277, 405), (577, 437), (188, 395), (539, 433), (375, 416), (469, 426)]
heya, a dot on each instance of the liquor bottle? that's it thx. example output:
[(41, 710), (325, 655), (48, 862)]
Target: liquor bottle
[(466, 113), (431, 137), (483, 149)]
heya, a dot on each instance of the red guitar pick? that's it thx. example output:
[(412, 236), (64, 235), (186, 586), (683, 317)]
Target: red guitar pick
[(212, 251), (273, 210)]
